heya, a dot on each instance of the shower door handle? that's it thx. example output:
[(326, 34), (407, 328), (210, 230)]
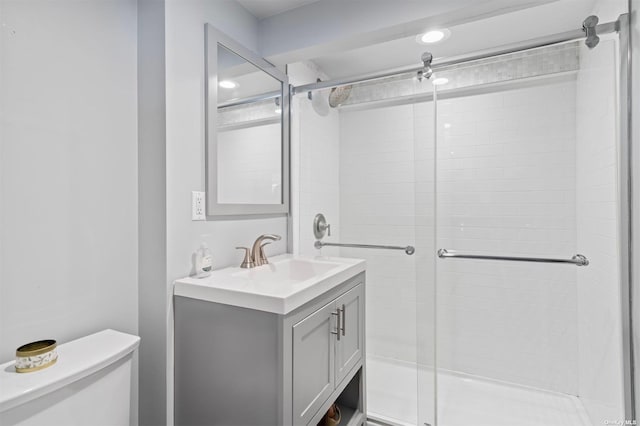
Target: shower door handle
[(578, 259)]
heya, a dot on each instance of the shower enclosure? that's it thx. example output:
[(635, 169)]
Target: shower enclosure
[(508, 173)]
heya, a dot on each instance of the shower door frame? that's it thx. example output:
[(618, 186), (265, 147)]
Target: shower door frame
[(629, 290)]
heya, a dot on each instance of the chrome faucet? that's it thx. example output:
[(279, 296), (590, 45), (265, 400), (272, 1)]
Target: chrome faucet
[(257, 251), (256, 256)]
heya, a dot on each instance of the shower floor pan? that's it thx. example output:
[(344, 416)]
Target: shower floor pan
[(465, 400)]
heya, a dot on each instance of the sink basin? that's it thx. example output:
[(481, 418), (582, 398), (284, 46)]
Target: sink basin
[(283, 285), (288, 270)]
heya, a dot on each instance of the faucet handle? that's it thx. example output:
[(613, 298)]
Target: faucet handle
[(320, 226), (247, 262)]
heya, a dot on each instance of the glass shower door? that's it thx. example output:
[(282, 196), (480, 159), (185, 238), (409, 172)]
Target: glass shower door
[(378, 183), (425, 229), (526, 150), (359, 167)]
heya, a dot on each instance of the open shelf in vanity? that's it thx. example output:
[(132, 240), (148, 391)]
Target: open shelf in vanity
[(350, 403)]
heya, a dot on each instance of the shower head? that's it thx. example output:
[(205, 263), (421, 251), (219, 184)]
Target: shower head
[(339, 95), (426, 71)]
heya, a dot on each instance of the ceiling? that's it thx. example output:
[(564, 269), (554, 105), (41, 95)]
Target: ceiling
[(382, 50), (266, 8), (466, 38)]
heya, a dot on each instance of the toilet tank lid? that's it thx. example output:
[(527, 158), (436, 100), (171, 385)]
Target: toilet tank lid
[(76, 359)]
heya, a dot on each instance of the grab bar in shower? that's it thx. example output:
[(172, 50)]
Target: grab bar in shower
[(578, 259), (407, 249)]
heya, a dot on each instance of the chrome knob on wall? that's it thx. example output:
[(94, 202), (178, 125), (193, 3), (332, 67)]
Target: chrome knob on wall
[(321, 227)]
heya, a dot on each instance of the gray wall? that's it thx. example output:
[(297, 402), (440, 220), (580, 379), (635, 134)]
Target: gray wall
[(152, 235), (172, 126), (185, 136), (68, 167)]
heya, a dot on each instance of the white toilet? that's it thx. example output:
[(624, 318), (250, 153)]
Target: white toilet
[(90, 384)]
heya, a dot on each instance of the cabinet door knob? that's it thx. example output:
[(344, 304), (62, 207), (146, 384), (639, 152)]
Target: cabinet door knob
[(337, 332), (344, 319)]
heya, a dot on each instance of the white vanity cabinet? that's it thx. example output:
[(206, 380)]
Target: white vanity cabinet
[(240, 366)]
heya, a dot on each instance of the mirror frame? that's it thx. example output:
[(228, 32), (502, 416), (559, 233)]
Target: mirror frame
[(213, 37)]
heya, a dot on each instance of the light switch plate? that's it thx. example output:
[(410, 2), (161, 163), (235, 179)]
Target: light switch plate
[(197, 206)]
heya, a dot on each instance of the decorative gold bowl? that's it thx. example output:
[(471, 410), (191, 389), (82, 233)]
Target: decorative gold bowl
[(35, 356)]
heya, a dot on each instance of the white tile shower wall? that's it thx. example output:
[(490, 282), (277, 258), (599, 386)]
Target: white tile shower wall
[(315, 161), (599, 315), (319, 175), (506, 185), (377, 206)]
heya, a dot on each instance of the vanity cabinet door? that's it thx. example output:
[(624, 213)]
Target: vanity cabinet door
[(313, 362), (349, 348)]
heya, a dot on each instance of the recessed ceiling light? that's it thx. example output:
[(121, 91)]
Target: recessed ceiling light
[(228, 84), (433, 36), (439, 81)]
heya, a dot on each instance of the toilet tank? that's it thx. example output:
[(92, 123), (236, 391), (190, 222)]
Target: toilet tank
[(90, 384)]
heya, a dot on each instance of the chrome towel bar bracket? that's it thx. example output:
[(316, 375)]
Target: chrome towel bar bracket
[(578, 259), (407, 249)]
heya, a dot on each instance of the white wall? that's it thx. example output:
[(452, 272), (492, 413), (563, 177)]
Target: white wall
[(68, 170), (185, 143), (185, 136)]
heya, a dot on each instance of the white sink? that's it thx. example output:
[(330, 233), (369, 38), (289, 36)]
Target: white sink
[(288, 270), (283, 285)]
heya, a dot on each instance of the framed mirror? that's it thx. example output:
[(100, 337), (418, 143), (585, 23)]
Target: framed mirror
[(247, 134)]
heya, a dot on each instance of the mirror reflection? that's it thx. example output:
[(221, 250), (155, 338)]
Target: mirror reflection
[(249, 133)]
